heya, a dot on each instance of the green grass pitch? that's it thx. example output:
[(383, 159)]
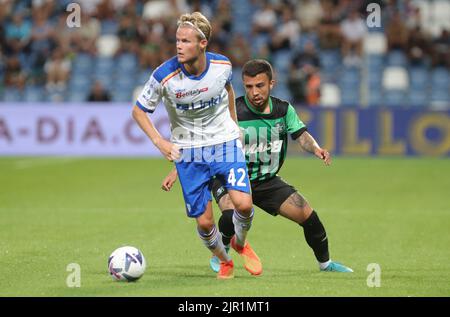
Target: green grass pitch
[(57, 211)]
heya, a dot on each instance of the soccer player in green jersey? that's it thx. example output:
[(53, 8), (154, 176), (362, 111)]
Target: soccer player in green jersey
[(266, 122)]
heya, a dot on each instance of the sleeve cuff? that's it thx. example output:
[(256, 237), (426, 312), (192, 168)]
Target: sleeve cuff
[(298, 133), (142, 107)]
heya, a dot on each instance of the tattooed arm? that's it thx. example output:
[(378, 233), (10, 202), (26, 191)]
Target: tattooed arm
[(310, 145)]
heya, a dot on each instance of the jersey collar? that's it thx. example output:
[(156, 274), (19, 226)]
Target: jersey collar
[(193, 77), (252, 109)]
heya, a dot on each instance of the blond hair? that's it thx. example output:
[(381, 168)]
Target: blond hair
[(198, 22)]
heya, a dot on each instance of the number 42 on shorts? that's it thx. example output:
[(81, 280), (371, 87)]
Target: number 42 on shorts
[(241, 173)]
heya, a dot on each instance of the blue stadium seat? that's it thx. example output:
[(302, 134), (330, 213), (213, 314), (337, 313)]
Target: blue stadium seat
[(77, 95), (375, 98), (236, 81), (104, 63), (259, 41), (127, 62), (282, 60), (395, 98), (330, 60), (375, 62), (109, 27), (34, 94), (306, 38), (375, 79), (397, 58), (83, 61), (440, 78), (350, 76), (120, 95), (418, 98), (144, 76), (80, 82), (440, 94), (350, 97), (107, 81), (12, 95), (418, 77), (126, 83)]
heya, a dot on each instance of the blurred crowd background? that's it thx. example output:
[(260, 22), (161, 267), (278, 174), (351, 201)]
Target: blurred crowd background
[(323, 51)]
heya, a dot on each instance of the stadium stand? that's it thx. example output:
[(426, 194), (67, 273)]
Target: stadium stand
[(403, 62)]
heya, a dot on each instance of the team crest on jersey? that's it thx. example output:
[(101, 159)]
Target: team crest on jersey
[(279, 127)]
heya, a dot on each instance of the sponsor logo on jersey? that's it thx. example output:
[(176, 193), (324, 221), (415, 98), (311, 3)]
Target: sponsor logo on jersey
[(274, 147), (195, 92), (214, 101)]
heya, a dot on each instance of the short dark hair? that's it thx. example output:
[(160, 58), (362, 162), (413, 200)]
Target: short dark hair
[(257, 66)]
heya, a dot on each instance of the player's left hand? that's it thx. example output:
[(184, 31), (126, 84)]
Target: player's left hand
[(324, 155), (169, 180)]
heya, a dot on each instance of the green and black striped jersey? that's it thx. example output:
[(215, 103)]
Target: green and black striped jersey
[(266, 135)]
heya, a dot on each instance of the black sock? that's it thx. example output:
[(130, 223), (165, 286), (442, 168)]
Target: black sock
[(226, 226), (316, 237)]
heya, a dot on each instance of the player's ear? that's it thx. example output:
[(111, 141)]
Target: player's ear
[(203, 44), (271, 84)]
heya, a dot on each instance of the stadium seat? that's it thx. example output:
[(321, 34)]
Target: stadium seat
[(282, 60), (12, 95), (124, 83), (236, 81), (77, 96), (440, 78), (395, 97), (109, 27), (349, 76), (144, 76), (119, 95), (439, 94), (375, 43), (127, 62), (80, 82), (350, 96), (375, 98), (107, 45), (106, 81), (330, 95), (397, 58), (34, 94), (375, 63), (418, 77), (330, 60), (418, 98), (281, 90), (395, 78)]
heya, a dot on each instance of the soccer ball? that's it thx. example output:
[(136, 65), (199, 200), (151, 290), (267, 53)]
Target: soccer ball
[(126, 264)]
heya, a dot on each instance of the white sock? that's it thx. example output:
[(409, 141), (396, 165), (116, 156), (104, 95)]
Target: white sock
[(213, 241), (324, 265), (242, 225)]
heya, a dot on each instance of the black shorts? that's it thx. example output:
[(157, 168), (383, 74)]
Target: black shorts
[(268, 195)]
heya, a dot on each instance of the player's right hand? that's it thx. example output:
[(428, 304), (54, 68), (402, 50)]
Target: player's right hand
[(169, 150)]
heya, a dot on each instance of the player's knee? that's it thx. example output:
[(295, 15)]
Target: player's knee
[(205, 225), (244, 207)]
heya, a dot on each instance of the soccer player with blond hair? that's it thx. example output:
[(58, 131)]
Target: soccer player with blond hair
[(195, 87)]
